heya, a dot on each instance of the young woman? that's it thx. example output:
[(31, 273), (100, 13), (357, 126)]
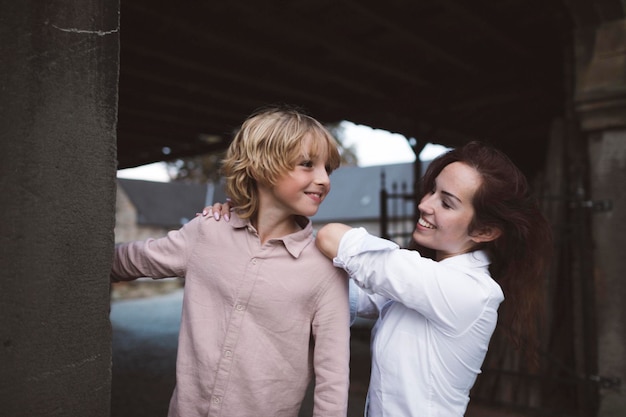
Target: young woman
[(436, 316), (480, 238), (263, 310)]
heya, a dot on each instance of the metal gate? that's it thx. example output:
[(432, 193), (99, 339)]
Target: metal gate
[(397, 212)]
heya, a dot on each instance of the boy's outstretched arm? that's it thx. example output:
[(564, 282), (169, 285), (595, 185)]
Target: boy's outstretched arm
[(329, 237)]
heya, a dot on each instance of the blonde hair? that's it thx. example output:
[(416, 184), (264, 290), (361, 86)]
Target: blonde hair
[(267, 146)]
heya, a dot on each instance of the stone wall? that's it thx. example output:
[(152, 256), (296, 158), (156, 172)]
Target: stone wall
[(601, 106)]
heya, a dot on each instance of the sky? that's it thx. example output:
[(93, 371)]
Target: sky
[(373, 147)]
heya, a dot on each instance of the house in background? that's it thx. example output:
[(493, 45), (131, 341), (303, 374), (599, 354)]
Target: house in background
[(355, 198), (146, 209), (150, 209)]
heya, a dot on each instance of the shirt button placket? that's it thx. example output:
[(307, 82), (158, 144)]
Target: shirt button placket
[(225, 366)]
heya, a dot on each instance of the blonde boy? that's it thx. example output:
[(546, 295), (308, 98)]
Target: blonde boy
[(264, 311)]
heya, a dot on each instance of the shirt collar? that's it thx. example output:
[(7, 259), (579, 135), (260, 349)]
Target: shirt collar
[(474, 259), (294, 242)]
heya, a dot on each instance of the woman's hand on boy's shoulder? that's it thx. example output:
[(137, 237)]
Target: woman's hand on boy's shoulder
[(217, 210)]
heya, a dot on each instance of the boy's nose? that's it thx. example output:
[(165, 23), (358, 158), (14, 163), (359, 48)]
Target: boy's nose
[(321, 176)]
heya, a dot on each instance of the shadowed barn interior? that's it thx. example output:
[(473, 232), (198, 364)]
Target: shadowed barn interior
[(95, 85)]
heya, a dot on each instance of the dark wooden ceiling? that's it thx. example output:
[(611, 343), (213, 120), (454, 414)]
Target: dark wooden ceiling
[(443, 71)]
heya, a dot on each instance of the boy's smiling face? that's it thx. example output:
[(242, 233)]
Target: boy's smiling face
[(301, 190)]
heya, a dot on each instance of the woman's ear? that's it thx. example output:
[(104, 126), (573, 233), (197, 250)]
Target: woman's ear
[(486, 234)]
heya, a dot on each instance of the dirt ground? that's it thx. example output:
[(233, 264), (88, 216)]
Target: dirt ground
[(145, 333)]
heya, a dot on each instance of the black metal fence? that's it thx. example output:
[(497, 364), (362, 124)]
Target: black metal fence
[(398, 211)]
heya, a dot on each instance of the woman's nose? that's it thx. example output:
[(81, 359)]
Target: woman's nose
[(425, 205)]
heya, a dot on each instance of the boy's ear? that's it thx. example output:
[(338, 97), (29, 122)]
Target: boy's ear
[(486, 234)]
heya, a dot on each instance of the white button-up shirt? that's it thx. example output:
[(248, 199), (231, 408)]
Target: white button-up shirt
[(435, 320)]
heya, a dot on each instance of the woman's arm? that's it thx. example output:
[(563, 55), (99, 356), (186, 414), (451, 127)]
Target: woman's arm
[(329, 237), (452, 293)]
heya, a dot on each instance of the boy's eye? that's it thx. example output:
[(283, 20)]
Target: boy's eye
[(307, 164)]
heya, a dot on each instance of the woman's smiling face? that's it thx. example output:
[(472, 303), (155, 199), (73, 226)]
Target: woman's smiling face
[(447, 210)]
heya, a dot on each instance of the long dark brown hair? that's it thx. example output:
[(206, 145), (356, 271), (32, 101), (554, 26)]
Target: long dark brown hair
[(521, 254)]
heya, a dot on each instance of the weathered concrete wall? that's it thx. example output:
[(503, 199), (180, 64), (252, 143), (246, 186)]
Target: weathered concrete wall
[(58, 110), (608, 182), (601, 104)]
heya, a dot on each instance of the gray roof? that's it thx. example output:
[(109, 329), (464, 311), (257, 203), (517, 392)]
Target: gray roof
[(354, 196), (355, 191), (170, 204)]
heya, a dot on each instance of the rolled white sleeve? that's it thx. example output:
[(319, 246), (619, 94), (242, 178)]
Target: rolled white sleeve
[(357, 241), (363, 302), (451, 293)]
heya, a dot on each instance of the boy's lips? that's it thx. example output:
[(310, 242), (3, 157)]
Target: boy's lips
[(315, 195)]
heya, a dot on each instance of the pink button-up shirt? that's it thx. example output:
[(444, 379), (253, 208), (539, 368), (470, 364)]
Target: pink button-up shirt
[(257, 322)]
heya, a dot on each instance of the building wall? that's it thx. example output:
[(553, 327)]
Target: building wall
[(600, 91), (126, 226), (608, 179), (128, 229)]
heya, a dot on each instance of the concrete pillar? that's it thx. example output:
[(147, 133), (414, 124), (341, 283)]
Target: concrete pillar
[(608, 184), (601, 105), (58, 111)]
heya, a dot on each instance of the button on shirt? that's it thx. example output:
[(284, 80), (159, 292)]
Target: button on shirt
[(435, 320), (249, 314)]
